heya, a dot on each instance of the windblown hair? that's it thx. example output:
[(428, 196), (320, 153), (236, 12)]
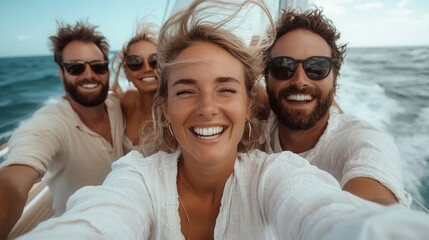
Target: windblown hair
[(145, 32), (316, 22), (193, 26), (80, 32)]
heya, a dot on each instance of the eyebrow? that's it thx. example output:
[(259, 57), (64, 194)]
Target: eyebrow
[(227, 79), (188, 81)]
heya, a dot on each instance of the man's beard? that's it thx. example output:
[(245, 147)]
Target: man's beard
[(85, 99), (298, 119)]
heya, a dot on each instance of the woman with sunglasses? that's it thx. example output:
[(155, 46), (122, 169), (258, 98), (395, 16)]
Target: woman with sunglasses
[(206, 184), (138, 60)]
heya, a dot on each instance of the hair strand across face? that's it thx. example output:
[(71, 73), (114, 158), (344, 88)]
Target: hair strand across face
[(200, 23)]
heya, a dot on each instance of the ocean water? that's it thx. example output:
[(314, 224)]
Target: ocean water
[(26, 84), (388, 87)]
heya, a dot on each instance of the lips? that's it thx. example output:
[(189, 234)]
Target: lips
[(299, 97), (88, 84), (294, 94), (148, 79), (208, 132)]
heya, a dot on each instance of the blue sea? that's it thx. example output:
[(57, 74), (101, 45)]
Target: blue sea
[(388, 87)]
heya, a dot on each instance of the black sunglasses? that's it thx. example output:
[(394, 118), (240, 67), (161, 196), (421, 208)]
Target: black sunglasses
[(135, 63), (316, 67), (77, 67)]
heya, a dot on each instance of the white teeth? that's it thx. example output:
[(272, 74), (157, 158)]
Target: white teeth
[(89, 85), (300, 97), (208, 133), (148, 79)]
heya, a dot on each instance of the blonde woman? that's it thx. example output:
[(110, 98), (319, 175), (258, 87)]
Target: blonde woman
[(138, 60)]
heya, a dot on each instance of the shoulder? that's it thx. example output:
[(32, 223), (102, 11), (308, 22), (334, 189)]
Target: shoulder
[(281, 160), (130, 100), (352, 128), (57, 108), (155, 173), (349, 121), (147, 166), (51, 116), (357, 140), (284, 169)]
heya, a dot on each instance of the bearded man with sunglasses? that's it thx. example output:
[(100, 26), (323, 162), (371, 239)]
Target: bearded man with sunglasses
[(74, 141), (301, 73)]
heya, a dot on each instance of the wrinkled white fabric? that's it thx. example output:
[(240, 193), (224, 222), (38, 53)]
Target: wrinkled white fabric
[(350, 148), (56, 142), (278, 196)]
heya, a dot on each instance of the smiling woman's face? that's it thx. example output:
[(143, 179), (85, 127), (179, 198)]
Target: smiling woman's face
[(207, 103), (144, 78)]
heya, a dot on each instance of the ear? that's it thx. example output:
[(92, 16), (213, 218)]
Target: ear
[(61, 73)]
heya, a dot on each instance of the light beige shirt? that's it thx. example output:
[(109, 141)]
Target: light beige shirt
[(55, 142)]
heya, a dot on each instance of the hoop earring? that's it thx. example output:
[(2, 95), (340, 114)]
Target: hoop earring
[(249, 125), (171, 130)]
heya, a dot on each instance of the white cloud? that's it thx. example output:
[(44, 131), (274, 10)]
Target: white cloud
[(403, 3), (425, 17), (333, 7), (378, 22), (369, 6), (401, 11), (408, 18), (23, 38)]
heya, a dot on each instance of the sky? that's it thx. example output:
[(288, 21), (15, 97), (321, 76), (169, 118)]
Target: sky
[(377, 23), (25, 25)]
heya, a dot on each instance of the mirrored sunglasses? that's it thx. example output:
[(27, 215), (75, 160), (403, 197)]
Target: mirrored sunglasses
[(77, 67), (135, 62), (316, 68)]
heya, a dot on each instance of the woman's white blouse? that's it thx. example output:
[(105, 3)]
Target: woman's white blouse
[(277, 196)]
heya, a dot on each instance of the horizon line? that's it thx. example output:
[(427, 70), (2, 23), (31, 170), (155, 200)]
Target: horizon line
[(115, 51)]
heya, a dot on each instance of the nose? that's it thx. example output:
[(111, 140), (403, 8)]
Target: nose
[(299, 79), (207, 105), (146, 66), (88, 73)]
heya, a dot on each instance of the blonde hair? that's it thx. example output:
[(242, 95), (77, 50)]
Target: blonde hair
[(145, 32), (181, 31)]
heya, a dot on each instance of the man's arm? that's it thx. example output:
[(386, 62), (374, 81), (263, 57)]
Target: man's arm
[(371, 190), (15, 183)]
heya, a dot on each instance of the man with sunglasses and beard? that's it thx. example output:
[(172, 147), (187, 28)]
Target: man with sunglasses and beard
[(302, 67), (74, 141)]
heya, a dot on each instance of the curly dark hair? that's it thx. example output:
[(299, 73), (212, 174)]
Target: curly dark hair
[(82, 31), (314, 21)]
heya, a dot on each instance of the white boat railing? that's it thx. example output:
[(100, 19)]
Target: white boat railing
[(418, 205), (37, 209), (3, 151)]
